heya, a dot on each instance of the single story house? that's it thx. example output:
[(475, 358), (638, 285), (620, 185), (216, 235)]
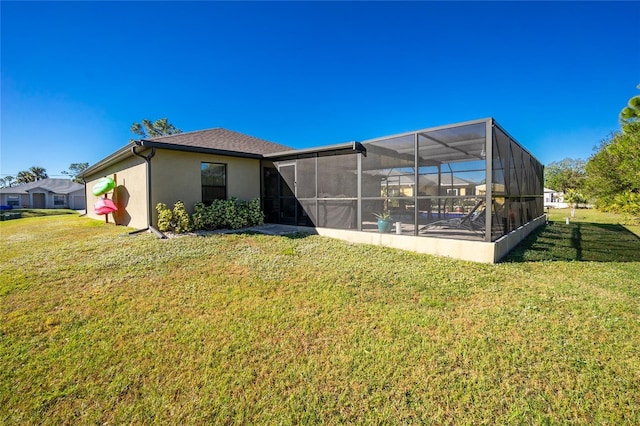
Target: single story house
[(548, 196), (554, 199), (45, 194), (191, 167), (337, 190)]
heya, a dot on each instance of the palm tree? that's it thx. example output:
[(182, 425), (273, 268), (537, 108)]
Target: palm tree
[(38, 173), (33, 174), (25, 176), (573, 197)]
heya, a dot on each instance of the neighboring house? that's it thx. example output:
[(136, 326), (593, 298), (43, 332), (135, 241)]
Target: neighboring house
[(45, 194), (338, 189), (554, 199), (548, 196)]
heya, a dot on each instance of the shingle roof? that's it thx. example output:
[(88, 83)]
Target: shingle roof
[(213, 141), (57, 186), (221, 139)]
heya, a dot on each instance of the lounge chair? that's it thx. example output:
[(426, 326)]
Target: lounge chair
[(473, 221)]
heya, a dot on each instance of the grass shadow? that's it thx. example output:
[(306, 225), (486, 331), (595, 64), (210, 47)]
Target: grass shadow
[(578, 241), (292, 235), (297, 235), (42, 212)]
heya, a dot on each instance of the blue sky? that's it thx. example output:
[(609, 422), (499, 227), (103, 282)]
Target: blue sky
[(76, 75)]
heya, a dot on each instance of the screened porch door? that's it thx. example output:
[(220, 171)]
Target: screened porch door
[(287, 193)]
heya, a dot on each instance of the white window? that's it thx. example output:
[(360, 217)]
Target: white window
[(13, 200), (58, 200), (452, 191)]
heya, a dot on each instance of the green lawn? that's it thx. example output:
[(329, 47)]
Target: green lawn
[(42, 212), (100, 327), (15, 214), (590, 236)]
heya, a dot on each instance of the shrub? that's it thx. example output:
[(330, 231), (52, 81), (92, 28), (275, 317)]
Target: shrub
[(165, 217), (228, 214), (181, 221), (177, 220), (255, 216), (200, 218), (627, 202)]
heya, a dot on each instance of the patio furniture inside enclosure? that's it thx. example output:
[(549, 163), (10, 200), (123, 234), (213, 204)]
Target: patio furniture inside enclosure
[(433, 182)]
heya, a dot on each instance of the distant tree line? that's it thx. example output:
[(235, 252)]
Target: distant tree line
[(74, 170), (614, 171), (145, 129), (33, 174), (36, 173), (610, 178)]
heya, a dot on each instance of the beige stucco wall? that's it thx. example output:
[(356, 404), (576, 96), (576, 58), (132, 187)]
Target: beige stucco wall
[(130, 194), (176, 176)]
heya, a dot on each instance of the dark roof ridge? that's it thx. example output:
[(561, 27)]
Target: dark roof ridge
[(185, 133), (218, 139), (191, 132)]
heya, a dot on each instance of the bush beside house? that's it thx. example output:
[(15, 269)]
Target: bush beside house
[(221, 214), (177, 220)]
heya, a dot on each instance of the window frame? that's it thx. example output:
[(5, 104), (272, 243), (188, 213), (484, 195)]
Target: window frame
[(58, 200), (218, 187), (13, 200)]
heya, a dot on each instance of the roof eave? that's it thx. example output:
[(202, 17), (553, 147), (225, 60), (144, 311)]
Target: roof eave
[(202, 150), (348, 147), (119, 155)]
